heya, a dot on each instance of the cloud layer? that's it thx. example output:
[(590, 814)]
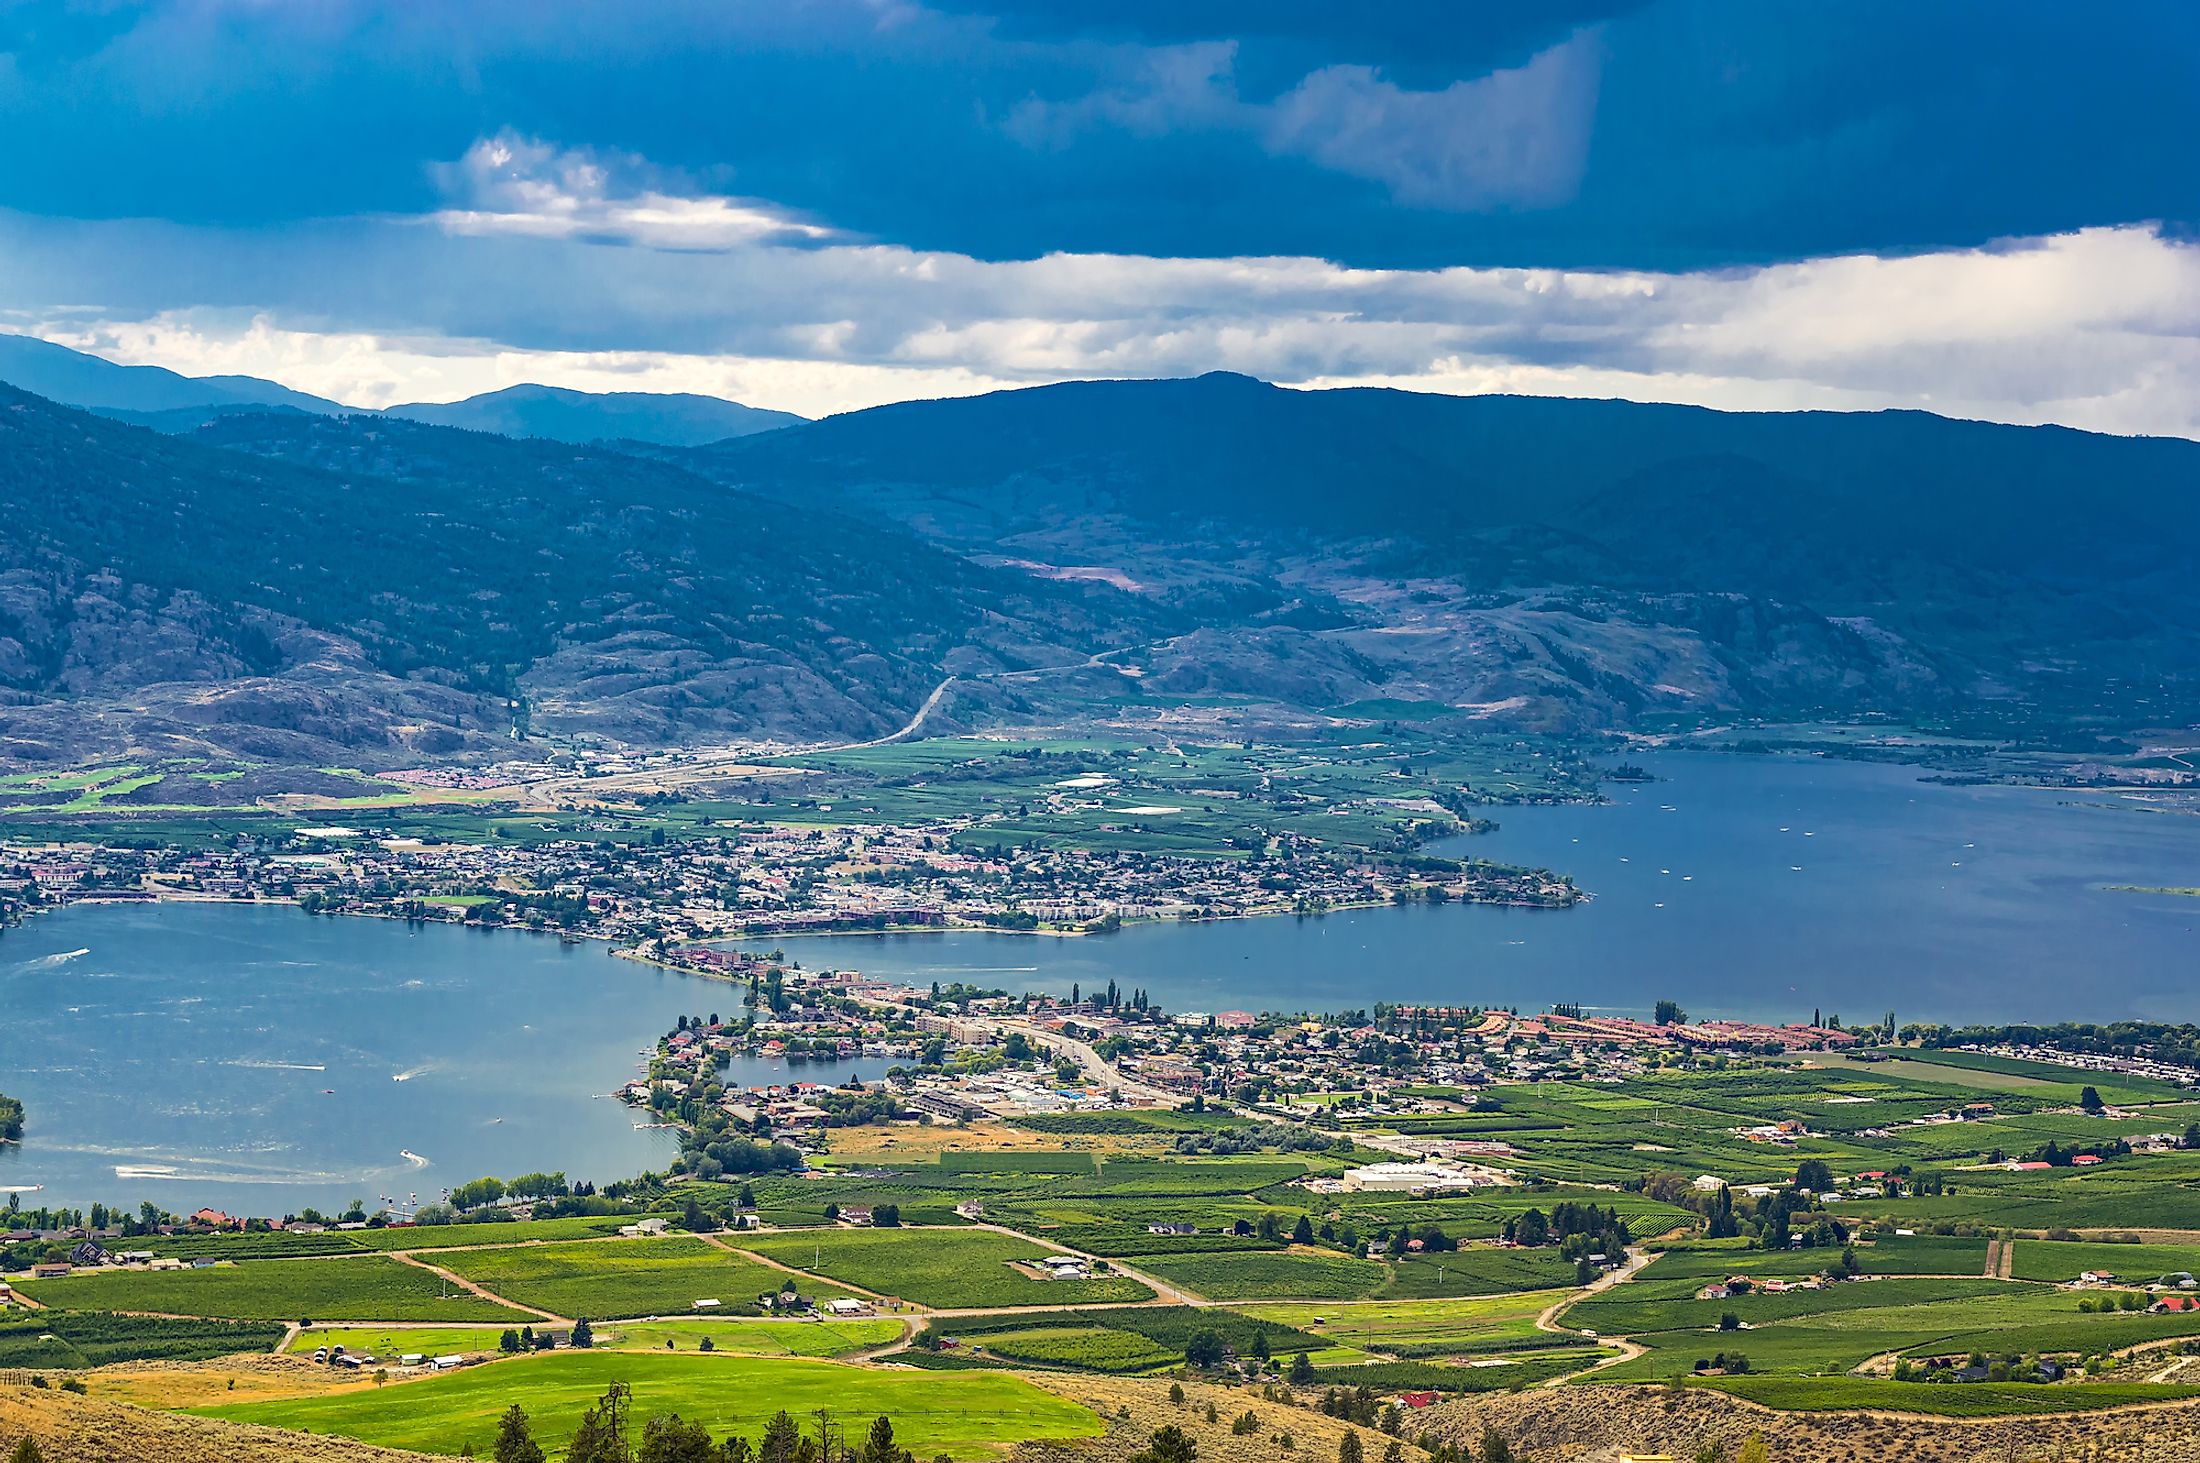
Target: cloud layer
[(597, 270)]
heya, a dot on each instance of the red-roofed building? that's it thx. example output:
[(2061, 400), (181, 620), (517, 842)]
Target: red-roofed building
[(2086, 1160)]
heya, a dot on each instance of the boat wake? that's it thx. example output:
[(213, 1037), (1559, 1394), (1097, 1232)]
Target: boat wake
[(263, 1064), (412, 1158), (48, 962), (410, 1073)]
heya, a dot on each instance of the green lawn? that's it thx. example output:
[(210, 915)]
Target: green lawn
[(950, 1269), (963, 1414), (371, 1287), (637, 1277)]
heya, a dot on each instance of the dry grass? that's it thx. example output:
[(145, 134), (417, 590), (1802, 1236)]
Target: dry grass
[(1592, 1425), (1146, 1399), (73, 1429), (212, 1383), (923, 1143)]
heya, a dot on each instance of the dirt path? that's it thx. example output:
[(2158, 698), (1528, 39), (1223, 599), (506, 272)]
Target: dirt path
[(1993, 1260), (771, 1264), (1547, 1318), (407, 1257), (2008, 1260)]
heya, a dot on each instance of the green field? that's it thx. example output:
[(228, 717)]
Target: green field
[(1305, 1274), (1423, 1327), (962, 1414), (738, 1337), (371, 1287), (637, 1277), (1940, 1399), (950, 1269), (76, 1339)]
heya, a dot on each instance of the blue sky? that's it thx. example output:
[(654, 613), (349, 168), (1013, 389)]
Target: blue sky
[(1985, 209)]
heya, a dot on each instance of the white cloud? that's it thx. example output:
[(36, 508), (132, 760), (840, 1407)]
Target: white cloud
[(1515, 138), (510, 184), (590, 271)]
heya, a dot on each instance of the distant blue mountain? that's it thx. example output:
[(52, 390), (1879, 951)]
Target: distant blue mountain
[(152, 396), (88, 381), (670, 419)]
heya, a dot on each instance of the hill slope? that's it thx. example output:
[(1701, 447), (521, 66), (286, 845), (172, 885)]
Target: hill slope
[(1787, 561), (280, 584)]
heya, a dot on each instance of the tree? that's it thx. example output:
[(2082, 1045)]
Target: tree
[(1302, 1369), (781, 1438), (886, 1216), (1494, 1447), (1713, 1451), (1669, 1013), (515, 1443), (584, 1335), (879, 1445), (26, 1451), (668, 1439), (2089, 1099), (601, 1437), (1349, 1450), (1814, 1175), (1755, 1450), (1260, 1346), (1302, 1233), (508, 1342), (1169, 1444), (1205, 1350)]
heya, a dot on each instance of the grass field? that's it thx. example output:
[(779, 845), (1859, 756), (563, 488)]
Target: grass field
[(950, 1269), (739, 1337), (641, 1277), (1422, 1327), (1305, 1274), (963, 1414), (369, 1288)]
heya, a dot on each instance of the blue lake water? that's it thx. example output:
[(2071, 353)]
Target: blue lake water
[(261, 1059), (1745, 886)]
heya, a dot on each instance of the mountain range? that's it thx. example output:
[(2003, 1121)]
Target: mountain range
[(295, 585), (155, 397)]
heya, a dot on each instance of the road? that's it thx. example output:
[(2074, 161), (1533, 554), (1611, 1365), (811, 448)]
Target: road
[(1094, 1065), (1547, 1318)]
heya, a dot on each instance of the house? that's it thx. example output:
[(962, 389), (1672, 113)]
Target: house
[(1178, 1228), (2085, 1160), (215, 1219), (855, 1214), (2170, 1304), (847, 1305), (50, 1270), (1419, 1399), (706, 1305), (1064, 1267)]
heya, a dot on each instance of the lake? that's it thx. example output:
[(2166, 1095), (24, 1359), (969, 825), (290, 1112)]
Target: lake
[(260, 1059), (1747, 886)]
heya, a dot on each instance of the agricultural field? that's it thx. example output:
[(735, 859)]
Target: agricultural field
[(944, 1268), (739, 1337), (612, 1278), (1126, 1339), (1422, 1328), (1973, 1399), (1308, 1274), (371, 1287), (78, 1339), (964, 1415)]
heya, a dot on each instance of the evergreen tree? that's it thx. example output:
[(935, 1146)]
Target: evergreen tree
[(1350, 1451), (780, 1439), (515, 1444), (668, 1439)]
